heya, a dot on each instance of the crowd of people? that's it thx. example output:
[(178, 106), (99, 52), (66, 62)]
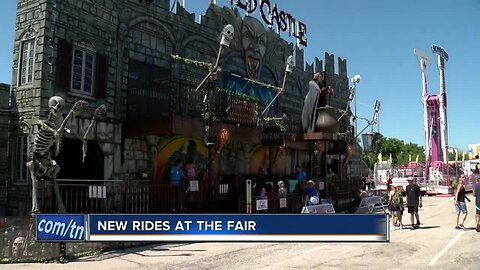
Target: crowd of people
[(295, 184), (299, 185), (182, 173), (396, 204), (413, 194)]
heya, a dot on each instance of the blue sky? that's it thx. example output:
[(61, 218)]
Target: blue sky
[(377, 37)]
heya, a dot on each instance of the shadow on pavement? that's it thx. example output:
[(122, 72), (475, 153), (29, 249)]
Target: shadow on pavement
[(119, 254), (140, 252), (101, 257), (427, 227), (422, 227), (163, 255), (169, 249)]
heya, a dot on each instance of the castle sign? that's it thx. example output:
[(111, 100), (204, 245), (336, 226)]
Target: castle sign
[(272, 15)]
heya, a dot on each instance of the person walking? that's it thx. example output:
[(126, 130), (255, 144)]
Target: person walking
[(460, 205), (301, 177), (414, 201), (176, 176), (399, 205), (391, 204), (476, 193)]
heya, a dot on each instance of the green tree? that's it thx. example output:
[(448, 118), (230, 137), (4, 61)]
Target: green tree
[(369, 159), (451, 155), (400, 152)]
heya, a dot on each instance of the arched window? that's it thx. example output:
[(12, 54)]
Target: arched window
[(26, 61), (21, 159)]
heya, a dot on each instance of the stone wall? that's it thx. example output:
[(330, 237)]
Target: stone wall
[(4, 117), (136, 159)]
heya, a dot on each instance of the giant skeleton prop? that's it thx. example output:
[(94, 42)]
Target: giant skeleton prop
[(227, 36), (207, 113), (288, 70), (42, 164)]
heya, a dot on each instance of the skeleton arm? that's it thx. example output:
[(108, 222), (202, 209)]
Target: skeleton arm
[(78, 107), (102, 109), (27, 127)]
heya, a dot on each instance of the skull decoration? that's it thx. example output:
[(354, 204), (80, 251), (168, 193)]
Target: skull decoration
[(122, 30), (56, 105), (227, 35), (289, 64), (17, 247)]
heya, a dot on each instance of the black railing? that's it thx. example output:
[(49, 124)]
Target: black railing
[(143, 196), (293, 204), (228, 107)]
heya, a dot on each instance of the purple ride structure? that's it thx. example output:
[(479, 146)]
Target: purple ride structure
[(436, 172)]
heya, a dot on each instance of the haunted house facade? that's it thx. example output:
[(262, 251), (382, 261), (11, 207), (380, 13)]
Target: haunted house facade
[(144, 62)]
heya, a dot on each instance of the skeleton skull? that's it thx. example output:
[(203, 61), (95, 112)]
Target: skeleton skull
[(289, 64), (56, 105), (227, 35), (17, 247)]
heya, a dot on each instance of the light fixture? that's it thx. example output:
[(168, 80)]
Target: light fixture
[(223, 136)]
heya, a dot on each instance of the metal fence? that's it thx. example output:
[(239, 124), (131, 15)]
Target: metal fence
[(144, 196), (293, 203), (116, 196)]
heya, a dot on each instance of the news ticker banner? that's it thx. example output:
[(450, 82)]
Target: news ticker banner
[(213, 227)]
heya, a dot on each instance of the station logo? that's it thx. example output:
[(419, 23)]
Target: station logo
[(60, 227)]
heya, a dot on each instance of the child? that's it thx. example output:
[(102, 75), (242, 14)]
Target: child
[(191, 169)]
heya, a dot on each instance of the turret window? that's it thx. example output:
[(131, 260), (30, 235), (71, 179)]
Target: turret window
[(26, 62)]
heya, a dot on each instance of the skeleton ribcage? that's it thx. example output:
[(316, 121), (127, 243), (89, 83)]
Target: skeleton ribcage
[(44, 140)]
